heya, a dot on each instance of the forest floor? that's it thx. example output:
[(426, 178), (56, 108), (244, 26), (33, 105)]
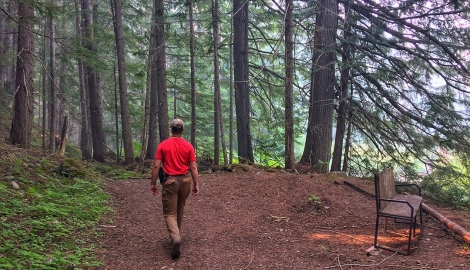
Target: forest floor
[(265, 220)]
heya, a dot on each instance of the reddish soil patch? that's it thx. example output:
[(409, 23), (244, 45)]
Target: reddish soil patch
[(265, 220)]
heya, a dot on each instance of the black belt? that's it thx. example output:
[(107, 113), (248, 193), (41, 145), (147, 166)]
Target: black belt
[(177, 175)]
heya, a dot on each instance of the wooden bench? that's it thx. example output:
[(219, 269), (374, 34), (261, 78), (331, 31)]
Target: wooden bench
[(389, 204)]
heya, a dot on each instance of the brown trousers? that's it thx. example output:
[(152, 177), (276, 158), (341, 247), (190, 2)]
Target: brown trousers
[(175, 191)]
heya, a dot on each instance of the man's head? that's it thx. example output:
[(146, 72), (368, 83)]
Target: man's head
[(177, 126)]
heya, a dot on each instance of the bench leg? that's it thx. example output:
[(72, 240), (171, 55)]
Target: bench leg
[(420, 214), (412, 226), (376, 231)]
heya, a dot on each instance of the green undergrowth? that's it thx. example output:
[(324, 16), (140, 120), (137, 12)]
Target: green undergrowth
[(48, 221), (118, 172)]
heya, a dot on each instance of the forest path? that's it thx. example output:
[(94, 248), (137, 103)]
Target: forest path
[(265, 220)]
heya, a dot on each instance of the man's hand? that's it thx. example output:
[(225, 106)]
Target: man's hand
[(195, 190), (154, 189)]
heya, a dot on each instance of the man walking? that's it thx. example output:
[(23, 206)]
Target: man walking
[(176, 158)]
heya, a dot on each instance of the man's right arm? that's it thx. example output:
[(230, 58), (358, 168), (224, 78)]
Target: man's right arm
[(153, 181)]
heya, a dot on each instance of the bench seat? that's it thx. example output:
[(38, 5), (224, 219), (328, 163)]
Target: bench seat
[(403, 208)]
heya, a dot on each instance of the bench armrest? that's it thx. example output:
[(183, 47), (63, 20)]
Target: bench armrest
[(407, 185)]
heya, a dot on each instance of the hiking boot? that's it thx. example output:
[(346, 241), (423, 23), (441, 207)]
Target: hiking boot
[(175, 252)]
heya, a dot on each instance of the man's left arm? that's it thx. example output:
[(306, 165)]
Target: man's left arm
[(194, 176)]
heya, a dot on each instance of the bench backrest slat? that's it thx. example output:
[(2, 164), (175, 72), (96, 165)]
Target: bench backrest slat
[(385, 186)]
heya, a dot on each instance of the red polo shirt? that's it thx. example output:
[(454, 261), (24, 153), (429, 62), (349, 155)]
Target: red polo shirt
[(176, 153)]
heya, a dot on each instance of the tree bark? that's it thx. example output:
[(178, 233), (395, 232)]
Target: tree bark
[(448, 223), (347, 145), (53, 89), (288, 95), (193, 74), (116, 116), (343, 93), (21, 127), (145, 129), (94, 95), (7, 64), (215, 35), (241, 74), (317, 153), (153, 110), (126, 125), (230, 158), (3, 18), (85, 134), (63, 136), (163, 122), (44, 86)]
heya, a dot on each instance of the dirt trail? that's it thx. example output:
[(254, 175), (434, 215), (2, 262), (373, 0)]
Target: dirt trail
[(265, 220)]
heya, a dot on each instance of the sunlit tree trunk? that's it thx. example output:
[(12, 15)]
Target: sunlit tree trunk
[(21, 127)]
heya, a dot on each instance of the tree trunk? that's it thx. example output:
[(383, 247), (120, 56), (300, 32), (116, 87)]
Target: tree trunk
[(163, 122), (448, 223), (288, 96), (94, 95), (215, 35), (152, 137), (145, 129), (116, 116), (341, 121), (348, 143), (21, 127), (7, 64), (322, 89), (44, 88), (193, 75), (3, 18), (62, 81), (12, 45), (241, 74), (53, 89), (126, 125), (231, 95), (63, 137), (85, 134)]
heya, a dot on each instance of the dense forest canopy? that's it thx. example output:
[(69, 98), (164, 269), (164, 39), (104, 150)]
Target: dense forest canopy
[(373, 83)]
